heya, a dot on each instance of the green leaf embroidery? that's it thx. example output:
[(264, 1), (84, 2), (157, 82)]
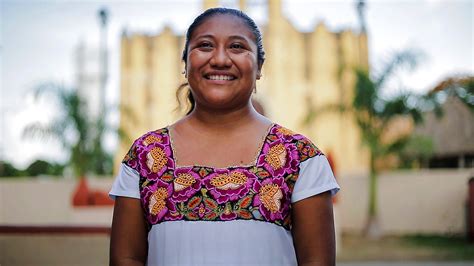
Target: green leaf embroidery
[(194, 202)]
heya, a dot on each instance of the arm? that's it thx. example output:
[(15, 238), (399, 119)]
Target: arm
[(313, 231), (128, 240)]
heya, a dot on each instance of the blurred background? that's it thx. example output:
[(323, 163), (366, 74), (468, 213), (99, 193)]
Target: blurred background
[(384, 88)]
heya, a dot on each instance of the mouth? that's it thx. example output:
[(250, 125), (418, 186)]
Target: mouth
[(219, 77)]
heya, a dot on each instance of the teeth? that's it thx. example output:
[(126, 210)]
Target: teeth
[(220, 77)]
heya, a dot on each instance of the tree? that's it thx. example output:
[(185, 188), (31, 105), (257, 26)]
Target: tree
[(80, 136), (41, 167), (375, 113), (9, 170)]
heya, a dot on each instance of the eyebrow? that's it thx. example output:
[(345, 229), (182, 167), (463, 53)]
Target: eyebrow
[(230, 37)]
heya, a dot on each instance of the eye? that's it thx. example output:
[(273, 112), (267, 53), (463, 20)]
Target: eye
[(205, 45), (237, 46)]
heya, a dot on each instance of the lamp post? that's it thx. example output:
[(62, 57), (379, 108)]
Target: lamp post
[(361, 14), (103, 55)]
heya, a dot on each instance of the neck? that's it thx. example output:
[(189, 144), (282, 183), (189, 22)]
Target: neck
[(225, 120)]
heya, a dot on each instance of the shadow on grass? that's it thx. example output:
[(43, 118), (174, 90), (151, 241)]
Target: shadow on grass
[(405, 248), (449, 247)]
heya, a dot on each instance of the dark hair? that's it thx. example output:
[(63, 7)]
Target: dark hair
[(201, 19)]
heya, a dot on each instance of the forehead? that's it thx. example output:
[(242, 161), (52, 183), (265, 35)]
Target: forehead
[(223, 25)]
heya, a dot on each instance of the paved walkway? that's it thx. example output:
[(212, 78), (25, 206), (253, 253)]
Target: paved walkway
[(426, 263), (91, 250)]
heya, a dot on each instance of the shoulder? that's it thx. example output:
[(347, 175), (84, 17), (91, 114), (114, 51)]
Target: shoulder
[(159, 136), (304, 146), (153, 140)]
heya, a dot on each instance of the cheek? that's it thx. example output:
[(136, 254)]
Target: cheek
[(195, 60), (246, 62)]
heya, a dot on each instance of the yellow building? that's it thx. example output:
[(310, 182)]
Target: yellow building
[(302, 72)]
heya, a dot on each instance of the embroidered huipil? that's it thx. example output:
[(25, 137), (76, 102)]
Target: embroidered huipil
[(239, 215)]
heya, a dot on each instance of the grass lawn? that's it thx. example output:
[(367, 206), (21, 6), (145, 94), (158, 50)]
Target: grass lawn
[(406, 248)]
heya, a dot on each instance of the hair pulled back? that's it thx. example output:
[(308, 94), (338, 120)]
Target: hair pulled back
[(252, 26)]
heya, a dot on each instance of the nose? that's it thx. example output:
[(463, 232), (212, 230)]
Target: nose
[(220, 58)]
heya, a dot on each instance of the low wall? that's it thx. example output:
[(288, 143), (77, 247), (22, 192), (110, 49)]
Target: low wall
[(426, 201), (409, 202), (48, 201)]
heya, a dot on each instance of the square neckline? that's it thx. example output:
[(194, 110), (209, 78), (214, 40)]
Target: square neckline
[(258, 153)]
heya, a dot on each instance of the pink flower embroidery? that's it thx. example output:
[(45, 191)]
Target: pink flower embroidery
[(225, 185), (186, 183), (279, 158), (154, 160), (155, 200), (272, 198)]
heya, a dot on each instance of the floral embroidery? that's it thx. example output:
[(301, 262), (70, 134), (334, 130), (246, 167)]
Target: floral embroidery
[(285, 131), (225, 185), (276, 156), (273, 199), (157, 201), (279, 158), (183, 181), (186, 183), (258, 192), (151, 139), (270, 195), (156, 159), (155, 198), (226, 181)]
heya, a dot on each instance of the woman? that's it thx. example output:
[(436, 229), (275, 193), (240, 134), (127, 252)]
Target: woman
[(223, 185)]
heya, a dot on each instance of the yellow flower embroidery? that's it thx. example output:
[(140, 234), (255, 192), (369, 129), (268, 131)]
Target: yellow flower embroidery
[(228, 208), (151, 139), (201, 210), (226, 181), (276, 156), (285, 131), (156, 159), (157, 201), (183, 181), (270, 195)]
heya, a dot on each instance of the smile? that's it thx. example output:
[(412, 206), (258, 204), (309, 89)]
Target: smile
[(220, 77)]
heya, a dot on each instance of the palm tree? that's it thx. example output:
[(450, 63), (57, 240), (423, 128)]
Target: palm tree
[(74, 130), (374, 114)]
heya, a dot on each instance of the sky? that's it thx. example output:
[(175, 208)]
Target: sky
[(38, 40)]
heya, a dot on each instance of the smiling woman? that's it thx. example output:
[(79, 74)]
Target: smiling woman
[(224, 185), (221, 63)]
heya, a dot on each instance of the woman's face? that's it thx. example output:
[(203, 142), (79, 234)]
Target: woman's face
[(222, 63)]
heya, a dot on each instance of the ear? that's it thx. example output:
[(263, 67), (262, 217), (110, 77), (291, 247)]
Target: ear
[(259, 72)]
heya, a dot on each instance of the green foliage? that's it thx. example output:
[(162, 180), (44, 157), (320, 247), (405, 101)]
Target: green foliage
[(374, 114), (447, 247), (38, 167), (418, 148), (8, 170), (77, 133)]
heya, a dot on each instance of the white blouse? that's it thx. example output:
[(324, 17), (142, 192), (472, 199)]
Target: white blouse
[(236, 242)]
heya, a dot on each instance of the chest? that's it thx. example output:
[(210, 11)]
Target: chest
[(259, 191)]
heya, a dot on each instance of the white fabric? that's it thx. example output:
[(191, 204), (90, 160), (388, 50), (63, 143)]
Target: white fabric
[(126, 183), (238, 242), (315, 177), (230, 243)]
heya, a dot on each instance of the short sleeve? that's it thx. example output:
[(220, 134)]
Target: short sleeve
[(126, 183), (315, 177)]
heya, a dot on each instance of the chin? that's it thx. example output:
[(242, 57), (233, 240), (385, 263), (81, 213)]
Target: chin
[(221, 104)]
